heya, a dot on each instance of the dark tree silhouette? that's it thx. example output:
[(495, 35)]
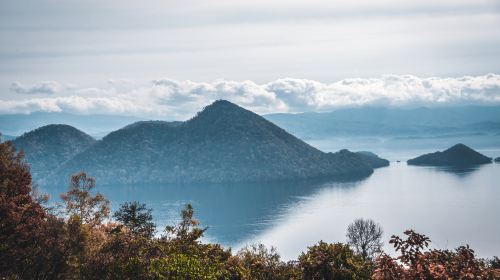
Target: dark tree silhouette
[(137, 218), (365, 237)]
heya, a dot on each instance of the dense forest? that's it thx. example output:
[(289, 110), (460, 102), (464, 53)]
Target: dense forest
[(82, 239), (51, 145)]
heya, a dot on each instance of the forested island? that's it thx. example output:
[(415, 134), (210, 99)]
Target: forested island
[(222, 143), (84, 240), (458, 155)]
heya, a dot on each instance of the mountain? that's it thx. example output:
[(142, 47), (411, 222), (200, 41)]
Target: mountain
[(497, 159), (96, 125), (47, 147), (222, 143), (386, 121), (373, 160), (458, 155)]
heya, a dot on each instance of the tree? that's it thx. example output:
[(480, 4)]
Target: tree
[(416, 261), (179, 266), (29, 237), (137, 218), (494, 262), (337, 261), (258, 262), (365, 237), (81, 205), (187, 232)]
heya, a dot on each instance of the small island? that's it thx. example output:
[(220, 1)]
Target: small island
[(497, 159), (458, 155)]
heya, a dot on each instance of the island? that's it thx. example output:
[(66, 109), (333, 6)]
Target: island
[(458, 155), (223, 143)]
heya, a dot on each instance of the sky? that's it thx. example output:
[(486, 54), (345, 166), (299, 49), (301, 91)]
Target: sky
[(168, 59)]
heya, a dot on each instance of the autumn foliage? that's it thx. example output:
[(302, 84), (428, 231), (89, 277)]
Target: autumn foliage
[(80, 241)]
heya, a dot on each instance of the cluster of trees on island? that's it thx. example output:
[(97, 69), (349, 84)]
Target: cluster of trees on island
[(79, 240)]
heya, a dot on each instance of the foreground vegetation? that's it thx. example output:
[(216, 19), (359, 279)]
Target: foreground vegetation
[(79, 241)]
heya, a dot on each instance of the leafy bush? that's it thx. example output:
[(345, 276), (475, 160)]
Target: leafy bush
[(332, 262)]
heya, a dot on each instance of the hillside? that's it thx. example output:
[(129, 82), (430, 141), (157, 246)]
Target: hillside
[(373, 160), (222, 143), (458, 155), (47, 147)]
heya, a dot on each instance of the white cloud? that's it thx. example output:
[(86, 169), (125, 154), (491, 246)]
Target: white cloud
[(44, 87), (170, 99)]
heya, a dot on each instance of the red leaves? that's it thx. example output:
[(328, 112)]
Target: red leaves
[(415, 262)]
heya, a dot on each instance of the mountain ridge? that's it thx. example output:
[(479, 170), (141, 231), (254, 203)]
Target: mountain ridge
[(222, 143), (385, 121)]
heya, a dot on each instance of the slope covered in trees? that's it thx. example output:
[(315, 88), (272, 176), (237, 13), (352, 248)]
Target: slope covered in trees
[(222, 143), (373, 160), (458, 155), (47, 147)]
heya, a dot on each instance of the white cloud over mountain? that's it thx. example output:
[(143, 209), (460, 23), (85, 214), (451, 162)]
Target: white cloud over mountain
[(170, 99)]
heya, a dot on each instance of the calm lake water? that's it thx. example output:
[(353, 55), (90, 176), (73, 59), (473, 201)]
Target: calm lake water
[(451, 206)]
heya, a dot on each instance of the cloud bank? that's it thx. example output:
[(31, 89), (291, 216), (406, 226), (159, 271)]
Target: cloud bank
[(170, 99)]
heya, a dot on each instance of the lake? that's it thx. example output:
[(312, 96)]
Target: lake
[(451, 206)]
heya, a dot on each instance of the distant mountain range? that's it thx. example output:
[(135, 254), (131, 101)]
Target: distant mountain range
[(222, 143), (458, 155), (365, 121), (394, 122)]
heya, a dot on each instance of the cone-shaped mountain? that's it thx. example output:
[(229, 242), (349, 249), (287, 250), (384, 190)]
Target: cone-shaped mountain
[(458, 155), (222, 143)]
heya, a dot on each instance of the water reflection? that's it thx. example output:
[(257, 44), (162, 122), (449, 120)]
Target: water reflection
[(448, 208), (447, 205), (232, 212), (459, 171)]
